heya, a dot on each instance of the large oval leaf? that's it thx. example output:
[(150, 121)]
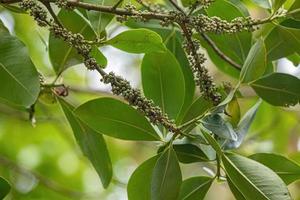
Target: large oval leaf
[(138, 41), (18, 77), (4, 188), (61, 54), (139, 185), (163, 82), (116, 119), (278, 89), (92, 144), (254, 180), (195, 188), (288, 170), (166, 177), (189, 153), (255, 63)]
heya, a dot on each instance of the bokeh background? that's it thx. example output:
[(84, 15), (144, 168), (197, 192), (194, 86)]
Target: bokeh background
[(42, 160)]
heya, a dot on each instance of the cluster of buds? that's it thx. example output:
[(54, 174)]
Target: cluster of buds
[(203, 23), (35, 10), (63, 4), (134, 97), (202, 3)]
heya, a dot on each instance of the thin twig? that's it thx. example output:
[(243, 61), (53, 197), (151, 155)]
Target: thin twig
[(177, 7)]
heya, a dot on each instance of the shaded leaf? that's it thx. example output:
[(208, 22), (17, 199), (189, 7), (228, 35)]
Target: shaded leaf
[(189, 153), (114, 118), (212, 141), (195, 188), (92, 144), (4, 188), (286, 169), (295, 10), (254, 180), (98, 55), (166, 178)]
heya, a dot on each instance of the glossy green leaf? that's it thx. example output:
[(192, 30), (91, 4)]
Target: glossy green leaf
[(189, 153), (100, 20), (195, 188), (166, 177), (92, 144), (255, 63), (139, 185), (237, 194), (4, 188), (116, 119), (18, 77), (233, 111), (61, 54), (286, 169), (235, 46), (163, 82), (278, 89), (254, 180), (263, 3), (212, 141), (294, 10), (98, 55), (138, 41)]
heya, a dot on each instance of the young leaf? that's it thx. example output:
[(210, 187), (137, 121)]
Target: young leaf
[(19, 79), (139, 185), (278, 89), (288, 170), (166, 177), (61, 54), (243, 127), (163, 82), (92, 144), (138, 41), (116, 119), (254, 180), (195, 188), (189, 153), (4, 188), (100, 20), (255, 63)]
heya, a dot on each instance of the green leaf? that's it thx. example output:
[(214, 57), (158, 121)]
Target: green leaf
[(263, 3), (195, 188), (283, 40), (13, 8), (92, 144), (4, 188), (166, 177), (278, 89), (100, 20), (18, 77), (235, 46), (139, 185), (277, 4), (233, 110), (187, 3), (98, 55), (237, 194), (189, 153), (254, 180), (295, 59), (286, 169), (61, 54), (212, 141), (138, 41), (294, 10), (255, 63), (116, 119), (163, 82)]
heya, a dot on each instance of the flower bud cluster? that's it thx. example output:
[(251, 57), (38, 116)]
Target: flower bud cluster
[(64, 4), (137, 15), (217, 25), (122, 87), (35, 10)]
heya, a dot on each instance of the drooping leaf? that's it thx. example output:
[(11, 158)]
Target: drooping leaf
[(61, 54), (100, 20), (138, 41), (98, 55), (195, 188), (254, 180), (4, 188), (189, 153), (235, 46), (286, 169), (243, 127), (139, 185), (18, 77), (92, 144), (163, 82), (166, 177), (255, 63), (278, 89), (116, 119)]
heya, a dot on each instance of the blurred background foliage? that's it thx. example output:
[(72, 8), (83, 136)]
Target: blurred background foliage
[(42, 160)]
